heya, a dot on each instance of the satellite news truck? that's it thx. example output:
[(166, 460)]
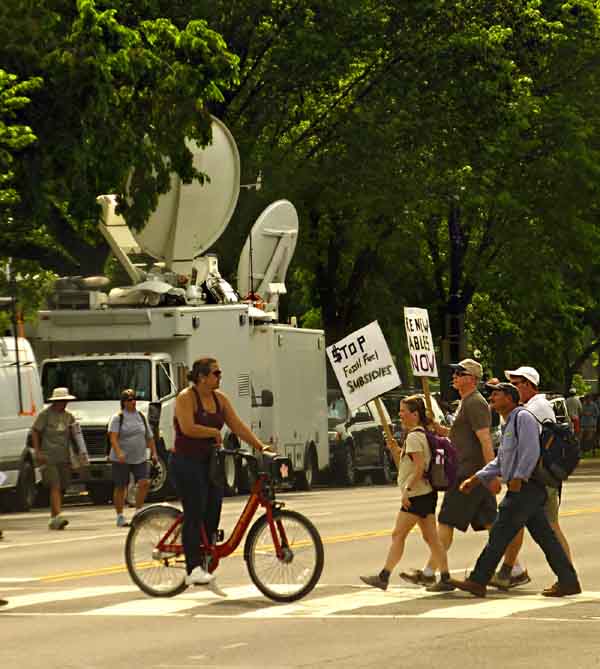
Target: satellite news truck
[(147, 335)]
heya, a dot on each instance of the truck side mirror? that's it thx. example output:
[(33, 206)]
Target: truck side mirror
[(154, 409), (266, 398), (181, 377)]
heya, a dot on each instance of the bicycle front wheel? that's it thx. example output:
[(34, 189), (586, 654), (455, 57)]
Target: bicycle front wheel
[(156, 573), (297, 571)]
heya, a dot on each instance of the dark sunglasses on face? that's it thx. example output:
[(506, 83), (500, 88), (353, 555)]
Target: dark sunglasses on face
[(458, 373), (216, 372), (130, 399)]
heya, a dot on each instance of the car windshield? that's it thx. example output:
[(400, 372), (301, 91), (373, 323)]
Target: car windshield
[(97, 380)]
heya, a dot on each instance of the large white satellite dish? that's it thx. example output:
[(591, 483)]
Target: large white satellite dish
[(267, 253), (191, 217)]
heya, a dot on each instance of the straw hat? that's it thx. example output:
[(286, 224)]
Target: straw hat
[(61, 395)]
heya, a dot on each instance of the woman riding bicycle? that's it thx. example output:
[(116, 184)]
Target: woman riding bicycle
[(201, 410)]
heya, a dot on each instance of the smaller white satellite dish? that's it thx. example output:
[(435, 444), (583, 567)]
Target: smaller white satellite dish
[(267, 253), (190, 218)]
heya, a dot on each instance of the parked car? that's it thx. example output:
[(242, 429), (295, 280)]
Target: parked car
[(357, 443), (559, 404)]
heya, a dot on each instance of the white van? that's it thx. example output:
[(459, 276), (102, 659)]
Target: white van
[(20, 401)]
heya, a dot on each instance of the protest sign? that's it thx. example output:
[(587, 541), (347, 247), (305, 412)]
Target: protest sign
[(363, 365), (420, 342)]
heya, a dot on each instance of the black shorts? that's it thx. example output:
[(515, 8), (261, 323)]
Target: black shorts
[(477, 509), (422, 505), (121, 471)]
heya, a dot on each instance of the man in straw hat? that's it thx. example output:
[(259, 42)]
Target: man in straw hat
[(50, 437)]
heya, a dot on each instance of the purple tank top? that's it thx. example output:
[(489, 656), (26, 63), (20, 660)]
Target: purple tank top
[(197, 447)]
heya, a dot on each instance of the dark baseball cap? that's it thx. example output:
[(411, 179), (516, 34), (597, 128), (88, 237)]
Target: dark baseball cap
[(506, 388)]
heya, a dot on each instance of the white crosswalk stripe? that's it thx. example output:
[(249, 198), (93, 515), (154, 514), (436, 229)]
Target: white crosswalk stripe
[(327, 601)]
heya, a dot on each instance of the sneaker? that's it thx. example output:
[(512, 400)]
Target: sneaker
[(198, 577), (375, 581), (213, 586), (561, 590), (57, 523), (501, 582), (522, 579), (417, 577), (121, 522), (441, 586)]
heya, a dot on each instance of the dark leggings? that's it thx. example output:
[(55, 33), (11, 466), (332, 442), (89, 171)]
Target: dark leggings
[(201, 501)]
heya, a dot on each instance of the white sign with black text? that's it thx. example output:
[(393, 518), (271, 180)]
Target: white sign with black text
[(363, 365), (420, 342)]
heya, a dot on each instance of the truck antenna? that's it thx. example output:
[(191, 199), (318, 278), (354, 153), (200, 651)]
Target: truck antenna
[(250, 283)]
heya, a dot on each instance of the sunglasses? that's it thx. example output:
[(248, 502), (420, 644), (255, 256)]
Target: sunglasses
[(130, 399), (461, 374), (217, 372)]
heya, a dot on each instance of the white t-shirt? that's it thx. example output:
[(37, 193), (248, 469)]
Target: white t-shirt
[(416, 442), (541, 408)]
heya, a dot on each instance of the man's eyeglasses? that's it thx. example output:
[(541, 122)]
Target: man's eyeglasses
[(217, 372), (130, 399), (457, 373)]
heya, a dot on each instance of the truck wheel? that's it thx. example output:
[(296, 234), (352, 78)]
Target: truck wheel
[(306, 480), (230, 467), (385, 474), (345, 471), (160, 485), (26, 490), (100, 493)]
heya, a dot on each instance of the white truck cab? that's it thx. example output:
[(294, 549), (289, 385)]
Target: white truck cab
[(20, 402), (96, 380)]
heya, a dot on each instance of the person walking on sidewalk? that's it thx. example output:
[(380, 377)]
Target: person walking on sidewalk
[(130, 436), (50, 439), (511, 574), (523, 504), (470, 434), (419, 500)]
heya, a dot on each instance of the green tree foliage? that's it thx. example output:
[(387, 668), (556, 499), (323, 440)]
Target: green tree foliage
[(440, 154), (13, 137), (121, 90)]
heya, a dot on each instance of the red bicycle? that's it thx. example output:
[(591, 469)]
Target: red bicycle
[(283, 550)]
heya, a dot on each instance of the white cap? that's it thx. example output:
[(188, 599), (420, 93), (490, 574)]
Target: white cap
[(529, 373)]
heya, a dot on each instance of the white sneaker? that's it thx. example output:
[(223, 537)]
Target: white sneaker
[(214, 587), (199, 577)]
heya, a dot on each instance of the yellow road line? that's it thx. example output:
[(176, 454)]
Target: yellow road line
[(342, 538)]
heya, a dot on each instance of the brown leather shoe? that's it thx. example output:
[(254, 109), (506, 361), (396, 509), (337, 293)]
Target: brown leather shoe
[(562, 589), (469, 586)]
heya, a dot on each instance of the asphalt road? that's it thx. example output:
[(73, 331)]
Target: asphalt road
[(72, 604)]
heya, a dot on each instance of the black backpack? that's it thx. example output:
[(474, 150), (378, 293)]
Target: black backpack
[(121, 416), (559, 452)]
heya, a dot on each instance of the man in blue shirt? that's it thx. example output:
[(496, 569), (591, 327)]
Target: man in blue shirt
[(523, 505)]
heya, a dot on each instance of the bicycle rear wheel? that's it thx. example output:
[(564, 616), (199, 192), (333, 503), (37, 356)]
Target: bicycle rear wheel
[(294, 575), (158, 575)]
